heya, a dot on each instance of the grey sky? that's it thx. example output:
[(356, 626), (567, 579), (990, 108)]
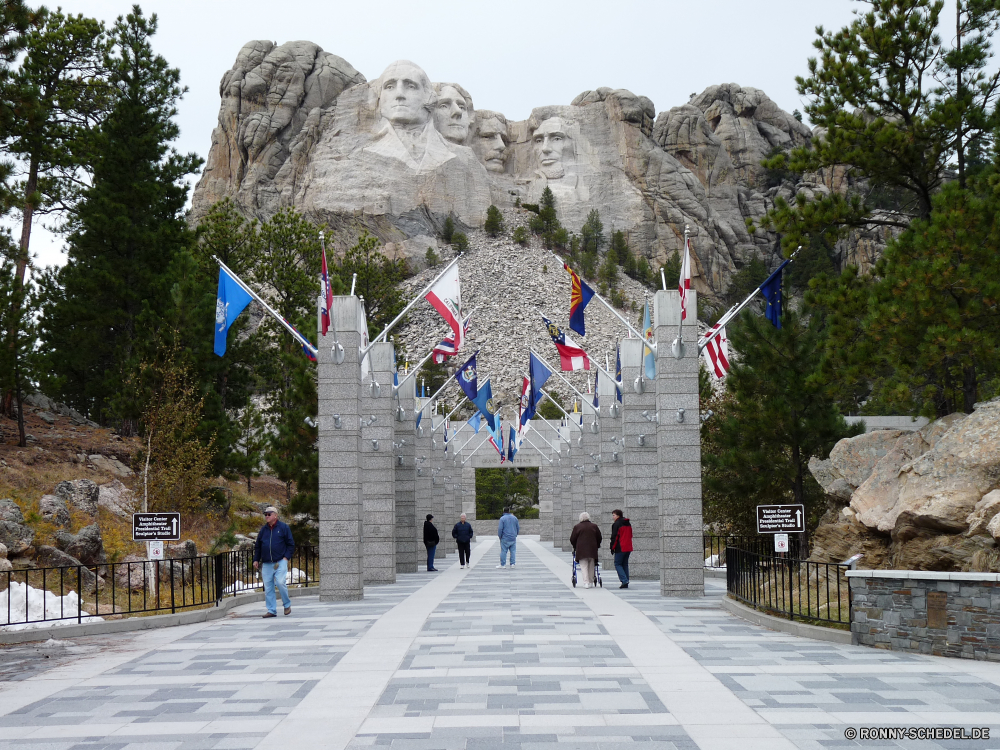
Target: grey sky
[(511, 56)]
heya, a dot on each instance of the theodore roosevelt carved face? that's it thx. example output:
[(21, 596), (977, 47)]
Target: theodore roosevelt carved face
[(490, 141)]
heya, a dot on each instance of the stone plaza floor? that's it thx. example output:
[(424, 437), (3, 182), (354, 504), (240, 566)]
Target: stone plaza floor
[(483, 659)]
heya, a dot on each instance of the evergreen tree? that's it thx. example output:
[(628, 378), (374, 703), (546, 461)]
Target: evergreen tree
[(494, 222), (449, 230), (128, 230), (378, 281), (772, 419), (592, 233)]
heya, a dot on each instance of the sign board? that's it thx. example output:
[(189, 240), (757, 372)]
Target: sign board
[(781, 542), (154, 550), (151, 527), (781, 519)]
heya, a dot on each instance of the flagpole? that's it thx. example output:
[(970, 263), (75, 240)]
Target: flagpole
[(467, 458), (540, 453), (464, 399), (556, 372), (611, 308), (385, 332), (424, 360), (450, 378), (571, 420), (287, 326), (736, 309)]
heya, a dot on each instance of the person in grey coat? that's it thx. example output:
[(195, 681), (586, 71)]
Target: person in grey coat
[(586, 541)]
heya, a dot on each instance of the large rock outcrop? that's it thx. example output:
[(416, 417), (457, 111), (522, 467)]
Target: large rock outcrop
[(934, 494), (300, 127)]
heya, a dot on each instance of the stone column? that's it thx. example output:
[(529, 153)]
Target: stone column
[(423, 489), (436, 460), (679, 448), (586, 457), (642, 500), (612, 458), (548, 505), (406, 510), (340, 499), (378, 488)]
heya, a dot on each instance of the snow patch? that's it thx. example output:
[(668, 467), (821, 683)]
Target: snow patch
[(21, 604), (713, 562), (292, 576)]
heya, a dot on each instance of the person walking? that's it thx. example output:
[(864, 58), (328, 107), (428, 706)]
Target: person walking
[(431, 540), (463, 536), (621, 545), (507, 530), (586, 541), (271, 552)]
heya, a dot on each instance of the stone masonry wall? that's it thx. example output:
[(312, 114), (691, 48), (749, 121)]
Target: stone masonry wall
[(945, 614)]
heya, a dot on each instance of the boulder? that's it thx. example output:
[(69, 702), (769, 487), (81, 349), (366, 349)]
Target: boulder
[(131, 572), (984, 512), (939, 552), (82, 494), (5, 565), (86, 546), (853, 459), (116, 498), (3, 551), (51, 557), (243, 543), (830, 480), (17, 538), (109, 464), (53, 510), (182, 550), (10, 511), (875, 500)]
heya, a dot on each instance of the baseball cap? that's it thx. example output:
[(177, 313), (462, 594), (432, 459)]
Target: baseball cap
[(270, 509)]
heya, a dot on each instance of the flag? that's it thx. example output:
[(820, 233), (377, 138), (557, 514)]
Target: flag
[(539, 374), (597, 376), (571, 356), (648, 357), (512, 446), (496, 438), (684, 282), (580, 296), (525, 402), (231, 300), (327, 304), (476, 422), (446, 297), (484, 402), (420, 415), (305, 347), (716, 353), (618, 373), (447, 347), (468, 379), (771, 289)]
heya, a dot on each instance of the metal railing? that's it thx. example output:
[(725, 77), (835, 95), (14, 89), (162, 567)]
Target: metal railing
[(763, 544), (797, 589), (114, 590)]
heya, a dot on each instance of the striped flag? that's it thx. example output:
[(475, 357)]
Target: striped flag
[(580, 296), (446, 297), (327, 304), (717, 353), (447, 347), (684, 282), (571, 356)]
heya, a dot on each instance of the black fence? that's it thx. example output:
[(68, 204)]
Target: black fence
[(762, 544), (795, 588), (83, 593)]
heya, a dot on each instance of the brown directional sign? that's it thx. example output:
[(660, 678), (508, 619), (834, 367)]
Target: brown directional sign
[(156, 527), (781, 519)]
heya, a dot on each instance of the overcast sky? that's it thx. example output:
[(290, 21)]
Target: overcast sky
[(511, 56)]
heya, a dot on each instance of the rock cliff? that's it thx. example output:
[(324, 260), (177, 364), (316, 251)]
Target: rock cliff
[(397, 155)]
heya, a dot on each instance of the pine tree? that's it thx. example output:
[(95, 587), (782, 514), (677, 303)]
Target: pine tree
[(128, 230), (378, 280), (494, 222), (593, 233), (772, 419)]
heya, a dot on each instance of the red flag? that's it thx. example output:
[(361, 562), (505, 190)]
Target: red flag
[(327, 304), (716, 353), (684, 282)]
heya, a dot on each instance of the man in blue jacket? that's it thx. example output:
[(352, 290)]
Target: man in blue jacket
[(507, 530), (271, 553)]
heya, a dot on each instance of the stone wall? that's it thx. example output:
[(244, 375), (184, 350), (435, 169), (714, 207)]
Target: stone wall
[(945, 614)]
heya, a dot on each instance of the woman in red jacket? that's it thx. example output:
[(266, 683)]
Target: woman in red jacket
[(621, 545)]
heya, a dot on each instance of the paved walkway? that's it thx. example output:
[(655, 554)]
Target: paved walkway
[(483, 659)]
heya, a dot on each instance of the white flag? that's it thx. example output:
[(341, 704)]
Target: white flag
[(717, 353), (684, 282), (446, 298)]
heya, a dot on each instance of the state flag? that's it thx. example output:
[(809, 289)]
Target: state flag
[(468, 379), (684, 282), (231, 300), (447, 347), (326, 305), (571, 356), (580, 296), (446, 297)]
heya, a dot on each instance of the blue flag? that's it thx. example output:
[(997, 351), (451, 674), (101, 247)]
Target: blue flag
[(771, 289), (232, 299), (539, 374), (484, 402), (618, 373), (648, 357), (476, 422), (511, 445), (580, 296), (596, 400), (468, 379), (420, 415)]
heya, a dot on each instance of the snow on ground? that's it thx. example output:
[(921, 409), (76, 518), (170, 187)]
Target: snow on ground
[(292, 576), (713, 562), (21, 603)]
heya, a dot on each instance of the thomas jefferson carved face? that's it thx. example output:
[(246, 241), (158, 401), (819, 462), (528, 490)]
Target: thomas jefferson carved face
[(405, 94), (490, 143), (549, 141), (451, 114)]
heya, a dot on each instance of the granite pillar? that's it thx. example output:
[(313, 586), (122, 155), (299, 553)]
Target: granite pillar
[(406, 510), (679, 450), (612, 460), (377, 462)]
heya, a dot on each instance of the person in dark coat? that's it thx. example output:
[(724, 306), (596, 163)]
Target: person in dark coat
[(463, 535), (621, 545), (431, 540), (272, 551), (586, 541)]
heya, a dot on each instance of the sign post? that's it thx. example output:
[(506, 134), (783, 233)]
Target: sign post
[(154, 529), (781, 542)]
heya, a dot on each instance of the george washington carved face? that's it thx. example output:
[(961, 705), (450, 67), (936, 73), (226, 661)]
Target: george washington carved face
[(405, 94)]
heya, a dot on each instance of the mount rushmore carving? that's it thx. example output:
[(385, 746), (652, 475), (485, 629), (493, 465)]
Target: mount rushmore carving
[(396, 156)]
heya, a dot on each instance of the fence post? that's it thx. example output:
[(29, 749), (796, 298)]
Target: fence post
[(79, 597), (791, 591), (173, 608), (219, 561)]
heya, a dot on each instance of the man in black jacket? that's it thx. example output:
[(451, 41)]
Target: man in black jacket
[(431, 540), (463, 535), (271, 553)]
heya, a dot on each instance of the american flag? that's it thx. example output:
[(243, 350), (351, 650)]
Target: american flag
[(717, 352), (447, 347)]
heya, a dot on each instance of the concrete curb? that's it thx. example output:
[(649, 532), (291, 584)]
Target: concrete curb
[(132, 624), (715, 573), (801, 629)]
